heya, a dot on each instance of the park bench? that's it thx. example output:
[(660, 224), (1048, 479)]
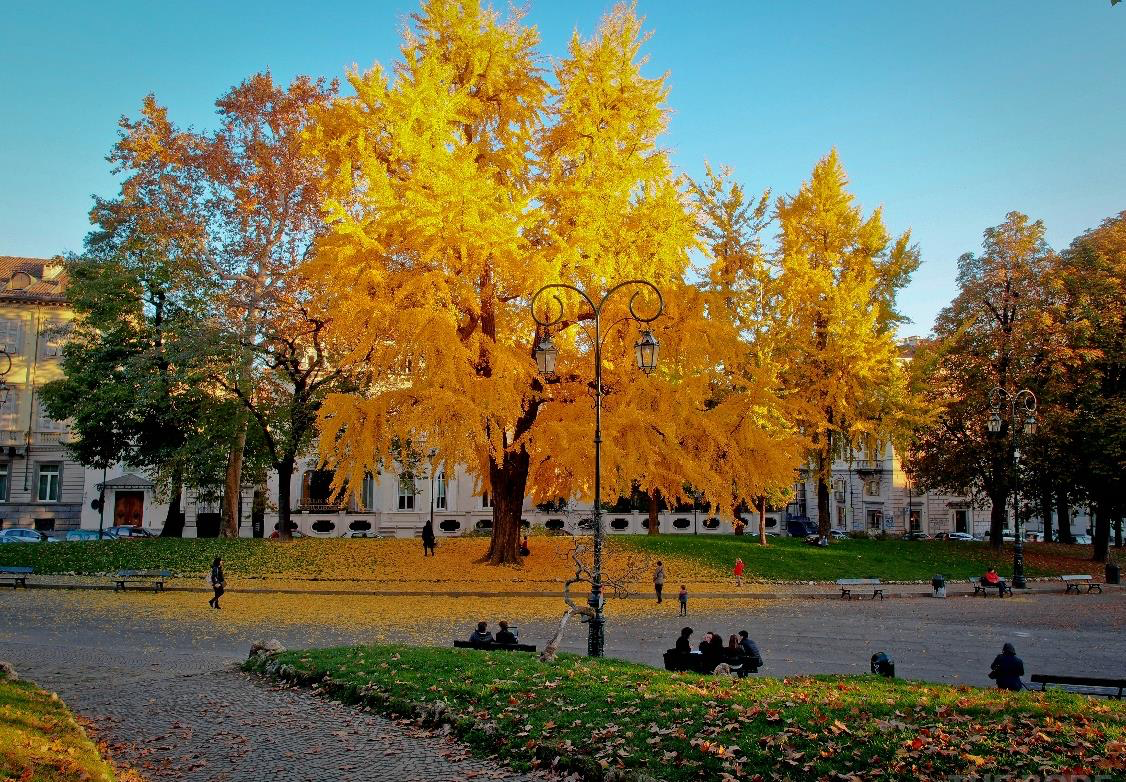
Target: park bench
[(981, 588), (698, 663), (148, 579), (16, 575), (847, 586), (1082, 681), (494, 647), (1073, 582)]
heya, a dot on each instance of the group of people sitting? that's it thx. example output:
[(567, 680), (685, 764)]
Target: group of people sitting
[(740, 652), (505, 634)]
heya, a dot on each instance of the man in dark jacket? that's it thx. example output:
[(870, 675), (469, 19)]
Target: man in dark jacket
[(683, 645), (750, 648), (1007, 669), (481, 635), (504, 635)]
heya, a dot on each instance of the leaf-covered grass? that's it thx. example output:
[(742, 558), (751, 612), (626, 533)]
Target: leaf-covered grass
[(590, 714), (688, 559), (791, 559), (40, 740)]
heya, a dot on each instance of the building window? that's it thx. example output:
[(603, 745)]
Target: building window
[(316, 488), (11, 335), (44, 422), (48, 483), (9, 413), (875, 519), (367, 492), (440, 491), (3, 483), (486, 500), (406, 492), (872, 488)]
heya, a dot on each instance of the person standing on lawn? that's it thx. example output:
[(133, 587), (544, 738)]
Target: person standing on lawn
[(428, 540), (738, 572), (217, 581), (659, 580), (683, 600)]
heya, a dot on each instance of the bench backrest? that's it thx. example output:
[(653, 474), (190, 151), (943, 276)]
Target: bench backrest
[(1075, 578), (17, 571), (143, 574), (1081, 681), (857, 581), (494, 646)]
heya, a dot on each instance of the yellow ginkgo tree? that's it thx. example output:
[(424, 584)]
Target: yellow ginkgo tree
[(463, 180)]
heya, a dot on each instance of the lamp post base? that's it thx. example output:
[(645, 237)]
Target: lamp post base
[(1018, 566), (596, 629)]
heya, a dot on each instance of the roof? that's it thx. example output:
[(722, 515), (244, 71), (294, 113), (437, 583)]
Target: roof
[(32, 279), (128, 481)]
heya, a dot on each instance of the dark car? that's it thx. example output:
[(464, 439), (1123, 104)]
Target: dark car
[(128, 533), (916, 536)]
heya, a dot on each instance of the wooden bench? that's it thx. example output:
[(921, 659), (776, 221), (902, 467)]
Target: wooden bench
[(16, 575), (698, 663), (1001, 588), (147, 579), (494, 647), (1072, 584), (848, 584), (1082, 681)]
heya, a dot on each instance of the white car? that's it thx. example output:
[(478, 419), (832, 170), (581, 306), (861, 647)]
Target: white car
[(25, 535), (1082, 540), (959, 536)]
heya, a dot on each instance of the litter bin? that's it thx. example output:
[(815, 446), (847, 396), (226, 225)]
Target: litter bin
[(883, 665), (938, 584), (1112, 572)]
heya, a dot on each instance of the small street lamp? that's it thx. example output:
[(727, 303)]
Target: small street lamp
[(1022, 420), (646, 349)]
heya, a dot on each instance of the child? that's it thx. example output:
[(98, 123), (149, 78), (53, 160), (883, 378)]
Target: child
[(738, 572), (683, 600)]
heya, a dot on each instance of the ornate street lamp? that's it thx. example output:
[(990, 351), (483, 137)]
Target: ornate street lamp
[(5, 368), (646, 350), (1021, 408)]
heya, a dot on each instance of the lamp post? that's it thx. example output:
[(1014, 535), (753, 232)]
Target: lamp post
[(1021, 402), (645, 350)]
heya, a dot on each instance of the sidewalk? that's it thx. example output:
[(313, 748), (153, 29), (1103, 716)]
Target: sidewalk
[(644, 592)]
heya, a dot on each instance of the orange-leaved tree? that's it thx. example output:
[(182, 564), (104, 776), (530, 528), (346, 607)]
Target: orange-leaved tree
[(461, 182)]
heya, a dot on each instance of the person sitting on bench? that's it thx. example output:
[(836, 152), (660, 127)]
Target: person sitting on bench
[(683, 645), (504, 635), (991, 579), (750, 648), (481, 635), (1007, 669)]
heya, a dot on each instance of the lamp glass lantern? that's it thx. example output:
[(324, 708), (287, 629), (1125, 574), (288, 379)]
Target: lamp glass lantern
[(995, 422), (545, 356), (1030, 424), (646, 350)]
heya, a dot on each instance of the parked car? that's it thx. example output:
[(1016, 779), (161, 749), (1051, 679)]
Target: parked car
[(838, 534), (1007, 536), (128, 533), (295, 533), (800, 527), (958, 536), (916, 535), (25, 535), (360, 533), (81, 534), (1082, 540)]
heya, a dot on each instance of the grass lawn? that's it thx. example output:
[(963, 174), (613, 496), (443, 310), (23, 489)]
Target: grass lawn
[(694, 560), (41, 742), (588, 715)]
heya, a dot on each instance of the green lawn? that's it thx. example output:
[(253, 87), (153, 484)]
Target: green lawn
[(587, 715), (791, 559), (701, 558), (41, 742)]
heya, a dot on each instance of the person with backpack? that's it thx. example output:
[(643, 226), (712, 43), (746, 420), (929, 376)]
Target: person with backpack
[(1007, 669)]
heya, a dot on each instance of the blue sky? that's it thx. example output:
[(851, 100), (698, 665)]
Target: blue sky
[(948, 114)]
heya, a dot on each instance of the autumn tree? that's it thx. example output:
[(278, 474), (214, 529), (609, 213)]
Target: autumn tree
[(988, 337), (243, 204), (832, 297), (461, 182)]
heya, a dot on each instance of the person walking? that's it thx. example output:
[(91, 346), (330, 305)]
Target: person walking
[(217, 581), (738, 572), (659, 580), (428, 540), (683, 596), (1007, 669)]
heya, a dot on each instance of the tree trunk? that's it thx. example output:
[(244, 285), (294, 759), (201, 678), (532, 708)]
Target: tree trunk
[(174, 520), (1102, 531), (1046, 510), (1063, 517), (998, 518), (1118, 532), (824, 522), (762, 520), (233, 484), (507, 482), (654, 518), (285, 507)]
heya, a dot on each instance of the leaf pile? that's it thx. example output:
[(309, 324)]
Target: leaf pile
[(592, 716)]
